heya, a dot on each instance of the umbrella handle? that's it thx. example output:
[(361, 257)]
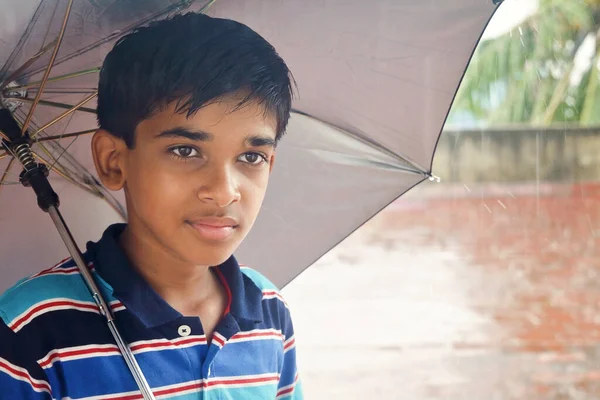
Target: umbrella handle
[(36, 176), (132, 364)]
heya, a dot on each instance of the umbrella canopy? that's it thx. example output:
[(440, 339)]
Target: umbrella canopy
[(376, 80)]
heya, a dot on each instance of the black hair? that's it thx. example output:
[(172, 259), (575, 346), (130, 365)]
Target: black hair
[(194, 60)]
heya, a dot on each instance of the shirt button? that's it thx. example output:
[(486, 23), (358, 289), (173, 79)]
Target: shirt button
[(184, 330)]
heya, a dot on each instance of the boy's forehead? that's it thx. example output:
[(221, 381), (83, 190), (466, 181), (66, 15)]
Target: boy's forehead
[(211, 120)]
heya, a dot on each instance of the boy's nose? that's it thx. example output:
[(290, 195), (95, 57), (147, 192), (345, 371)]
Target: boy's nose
[(220, 187)]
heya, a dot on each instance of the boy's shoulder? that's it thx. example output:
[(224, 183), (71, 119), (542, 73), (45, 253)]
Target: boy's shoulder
[(261, 281), (268, 288), (58, 287)]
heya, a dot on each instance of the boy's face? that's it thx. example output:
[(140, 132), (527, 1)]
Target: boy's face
[(194, 186)]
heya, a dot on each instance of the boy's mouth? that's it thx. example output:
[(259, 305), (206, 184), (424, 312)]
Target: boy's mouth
[(214, 228)]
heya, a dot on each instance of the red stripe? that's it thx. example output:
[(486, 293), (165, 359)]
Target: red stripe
[(242, 381), (24, 375), (17, 324), (190, 340), (219, 340), (290, 344), (286, 391), (51, 268), (227, 290), (167, 344), (201, 385), (290, 389), (68, 270), (109, 350), (78, 353), (116, 305), (150, 346), (181, 389), (59, 271), (256, 334)]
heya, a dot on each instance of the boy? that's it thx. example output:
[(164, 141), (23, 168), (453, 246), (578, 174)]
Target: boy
[(190, 110)]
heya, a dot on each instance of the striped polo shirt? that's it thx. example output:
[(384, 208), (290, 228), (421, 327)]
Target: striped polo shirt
[(54, 344)]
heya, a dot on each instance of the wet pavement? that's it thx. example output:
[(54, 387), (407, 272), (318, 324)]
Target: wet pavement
[(458, 293)]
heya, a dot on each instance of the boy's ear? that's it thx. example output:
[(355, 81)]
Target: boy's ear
[(109, 152), (271, 162)]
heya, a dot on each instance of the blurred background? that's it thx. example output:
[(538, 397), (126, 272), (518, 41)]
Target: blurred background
[(485, 285)]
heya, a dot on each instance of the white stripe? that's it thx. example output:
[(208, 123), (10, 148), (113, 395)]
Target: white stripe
[(285, 350), (267, 295), (281, 389), (120, 306), (221, 338), (65, 271), (266, 334), (287, 342), (60, 264), (50, 309), (22, 379), (167, 345), (224, 384), (61, 353), (61, 270)]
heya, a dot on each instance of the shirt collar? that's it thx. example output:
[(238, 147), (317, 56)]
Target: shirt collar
[(138, 297)]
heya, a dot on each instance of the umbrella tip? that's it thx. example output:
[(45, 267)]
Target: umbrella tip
[(433, 178)]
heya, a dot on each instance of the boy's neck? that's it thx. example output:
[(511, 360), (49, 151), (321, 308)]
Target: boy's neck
[(184, 286)]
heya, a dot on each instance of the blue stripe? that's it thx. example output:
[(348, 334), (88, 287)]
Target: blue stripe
[(161, 368), (16, 389), (268, 391), (43, 288), (259, 279), (178, 366), (250, 358)]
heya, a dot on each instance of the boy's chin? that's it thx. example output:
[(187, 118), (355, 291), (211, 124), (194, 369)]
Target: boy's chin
[(211, 260)]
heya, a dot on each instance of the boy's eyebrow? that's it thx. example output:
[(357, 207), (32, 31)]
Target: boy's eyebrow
[(186, 133), (259, 141), (251, 141)]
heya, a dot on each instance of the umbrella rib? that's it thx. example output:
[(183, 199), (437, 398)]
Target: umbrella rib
[(66, 176), (173, 7), (6, 172), (50, 23), (372, 143), (55, 104), (65, 114), (55, 159), (27, 64), (57, 44), (69, 91), (65, 136), (57, 78), (207, 6), (23, 38)]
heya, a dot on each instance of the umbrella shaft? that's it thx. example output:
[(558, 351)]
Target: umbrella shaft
[(67, 238)]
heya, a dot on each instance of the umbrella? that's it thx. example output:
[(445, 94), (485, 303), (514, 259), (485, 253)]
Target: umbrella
[(376, 80)]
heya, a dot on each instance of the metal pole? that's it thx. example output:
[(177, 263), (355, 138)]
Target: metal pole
[(67, 238), (36, 176)]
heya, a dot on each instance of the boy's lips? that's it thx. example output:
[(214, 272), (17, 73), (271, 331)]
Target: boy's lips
[(214, 228)]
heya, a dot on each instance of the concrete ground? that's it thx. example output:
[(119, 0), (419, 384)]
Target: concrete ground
[(459, 293)]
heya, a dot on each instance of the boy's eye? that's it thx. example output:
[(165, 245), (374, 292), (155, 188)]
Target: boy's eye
[(184, 151), (252, 158)]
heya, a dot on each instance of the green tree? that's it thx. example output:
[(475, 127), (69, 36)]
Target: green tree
[(528, 75)]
